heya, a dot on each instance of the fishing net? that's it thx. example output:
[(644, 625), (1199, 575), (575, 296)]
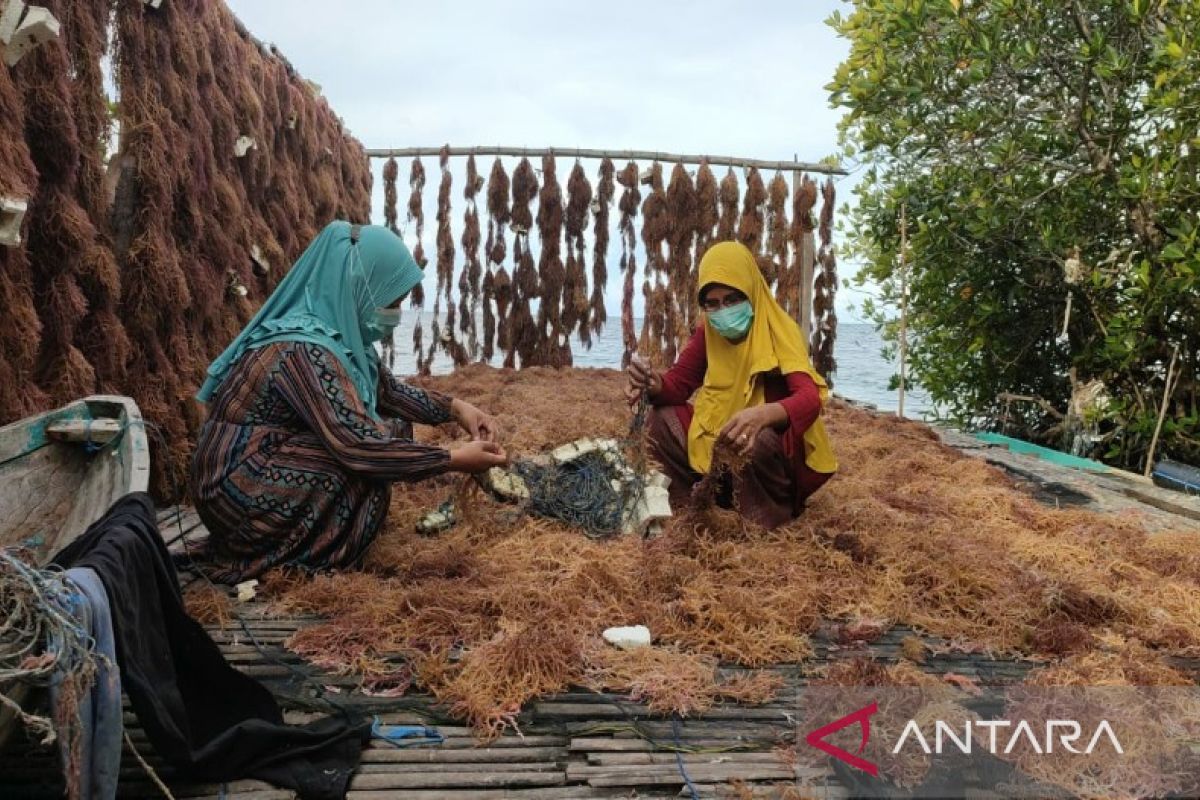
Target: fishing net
[(43, 644)]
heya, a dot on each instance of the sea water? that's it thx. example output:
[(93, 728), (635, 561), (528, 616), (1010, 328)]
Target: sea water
[(862, 372)]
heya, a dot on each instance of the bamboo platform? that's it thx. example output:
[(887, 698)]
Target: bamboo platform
[(583, 744)]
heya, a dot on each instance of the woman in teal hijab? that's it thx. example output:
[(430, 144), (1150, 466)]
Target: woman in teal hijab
[(305, 431)]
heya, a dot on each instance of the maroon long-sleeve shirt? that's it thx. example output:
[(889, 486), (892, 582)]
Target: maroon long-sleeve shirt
[(795, 391)]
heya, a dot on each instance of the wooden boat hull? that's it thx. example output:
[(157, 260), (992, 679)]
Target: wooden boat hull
[(60, 472)]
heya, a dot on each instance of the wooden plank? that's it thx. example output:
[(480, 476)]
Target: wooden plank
[(464, 742), (552, 793), (607, 744), (615, 155), (458, 780), (458, 767), (613, 711), (769, 770), (493, 755), (667, 775), (649, 759), (770, 791)]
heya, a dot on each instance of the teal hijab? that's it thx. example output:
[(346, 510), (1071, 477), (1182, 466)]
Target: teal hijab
[(329, 297)]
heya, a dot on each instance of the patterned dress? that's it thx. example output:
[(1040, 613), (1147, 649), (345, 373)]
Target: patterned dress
[(290, 469)]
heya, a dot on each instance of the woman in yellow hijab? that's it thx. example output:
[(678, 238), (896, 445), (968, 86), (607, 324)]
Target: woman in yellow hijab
[(754, 387)]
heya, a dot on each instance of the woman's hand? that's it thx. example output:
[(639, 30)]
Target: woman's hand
[(743, 427), (641, 378), (477, 456), (481, 427)]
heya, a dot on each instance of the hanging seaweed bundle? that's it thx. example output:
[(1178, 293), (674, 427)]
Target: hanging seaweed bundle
[(656, 227), (391, 171), (503, 289), (777, 231), (524, 338), (752, 223), (496, 248), (59, 232), (22, 336), (416, 213), (803, 252), (498, 213), (521, 336), (488, 296), (656, 221), (628, 206), (600, 209), (644, 343), (728, 197), (468, 284), (708, 213), (825, 289), (101, 337), (443, 332), (524, 190), (575, 290), (551, 272), (445, 234), (125, 249), (681, 310), (190, 212)]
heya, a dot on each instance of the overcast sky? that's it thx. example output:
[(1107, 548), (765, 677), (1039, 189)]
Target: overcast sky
[(743, 79)]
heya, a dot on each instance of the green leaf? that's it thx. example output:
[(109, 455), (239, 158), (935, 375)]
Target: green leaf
[(1173, 252)]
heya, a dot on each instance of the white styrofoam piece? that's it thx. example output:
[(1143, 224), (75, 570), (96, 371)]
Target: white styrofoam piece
[(246, 591), (12, 212), (243, 145), (260, 261), (38, 27), (506, 484), (10, 17), (153, 3), (657, 502), (656, 478), (628, 637)]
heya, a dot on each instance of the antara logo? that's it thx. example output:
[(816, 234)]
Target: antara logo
[(1068, 733), (862, 717), (1061, 733)]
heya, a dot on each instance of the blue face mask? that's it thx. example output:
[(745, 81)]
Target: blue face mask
[(383, 323), (732, 322)]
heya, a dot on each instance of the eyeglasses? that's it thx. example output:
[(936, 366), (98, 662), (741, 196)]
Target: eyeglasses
[(713, 304)]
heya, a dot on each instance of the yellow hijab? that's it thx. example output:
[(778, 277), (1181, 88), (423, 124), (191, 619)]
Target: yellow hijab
[(732, 380)]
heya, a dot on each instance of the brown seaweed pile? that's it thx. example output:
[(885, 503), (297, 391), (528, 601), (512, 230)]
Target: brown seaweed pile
[(909, 532)]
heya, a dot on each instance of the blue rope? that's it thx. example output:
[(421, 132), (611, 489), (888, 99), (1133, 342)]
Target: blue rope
[(405, 735), (90, 447), (679, 759)]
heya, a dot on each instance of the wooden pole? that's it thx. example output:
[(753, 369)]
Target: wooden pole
[(1168, 390), (616, 155), (903, 304)]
